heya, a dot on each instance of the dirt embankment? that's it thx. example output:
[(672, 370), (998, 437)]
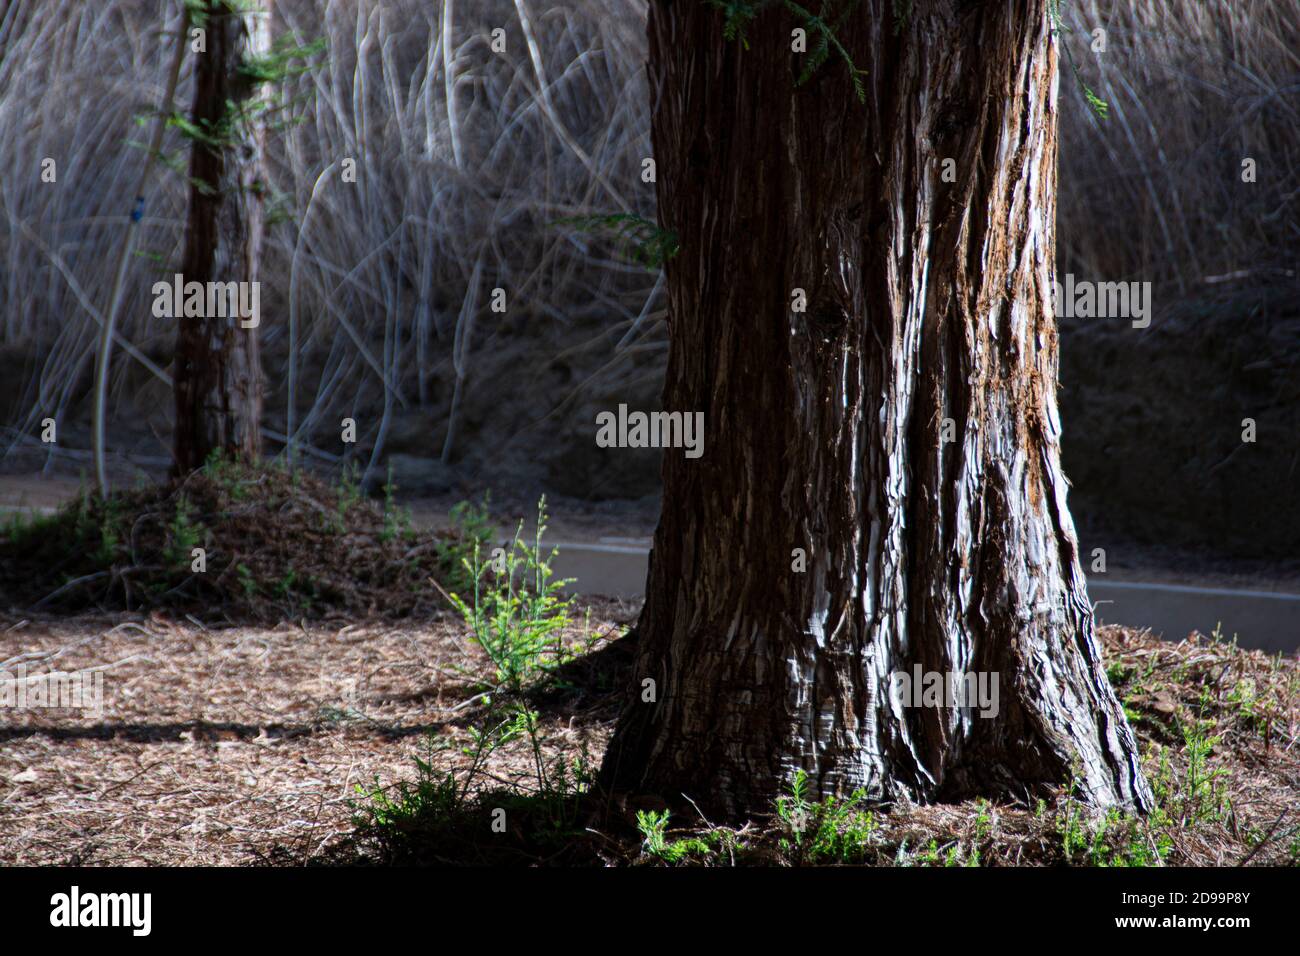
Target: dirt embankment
[(1154, 422)]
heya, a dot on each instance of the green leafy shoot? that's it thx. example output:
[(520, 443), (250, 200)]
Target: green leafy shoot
[(823, 27), (641, 240), (1059, 28)]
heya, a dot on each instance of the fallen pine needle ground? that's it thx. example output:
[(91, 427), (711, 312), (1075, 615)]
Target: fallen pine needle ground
[(252, 745)]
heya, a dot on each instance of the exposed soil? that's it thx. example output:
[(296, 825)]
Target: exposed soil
[(1156, 424)]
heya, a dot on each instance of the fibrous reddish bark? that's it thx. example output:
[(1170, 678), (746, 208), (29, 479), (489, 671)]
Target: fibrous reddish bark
[(218, 377), (903, 430)]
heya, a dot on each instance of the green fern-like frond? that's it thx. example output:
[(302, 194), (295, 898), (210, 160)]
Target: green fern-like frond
[(737, 15), (642, 241), (1059, 28), (286, 58), (828, 40), (902, 13), (1099, 106)]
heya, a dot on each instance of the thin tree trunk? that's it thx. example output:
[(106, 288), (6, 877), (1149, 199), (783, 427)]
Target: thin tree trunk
[(927, 301), (218, 378)]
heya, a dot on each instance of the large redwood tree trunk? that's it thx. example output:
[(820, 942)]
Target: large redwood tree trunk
[(927, 301), (218, 375)]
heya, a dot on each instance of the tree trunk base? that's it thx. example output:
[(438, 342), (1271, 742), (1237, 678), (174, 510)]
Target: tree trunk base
[(862, 310)]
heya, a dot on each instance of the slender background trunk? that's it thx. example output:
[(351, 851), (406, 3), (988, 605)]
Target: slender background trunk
[(927, 300), (218, 377)]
